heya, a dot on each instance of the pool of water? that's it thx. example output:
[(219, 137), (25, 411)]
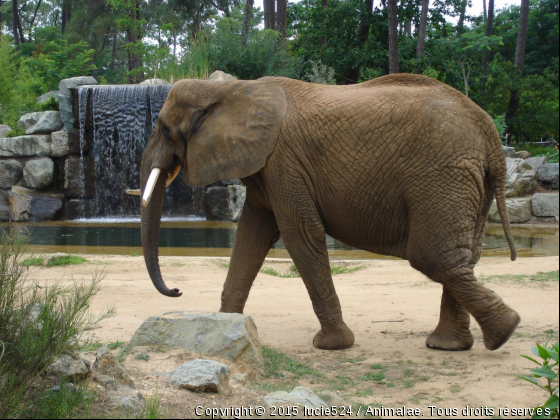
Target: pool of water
[(202, 238)]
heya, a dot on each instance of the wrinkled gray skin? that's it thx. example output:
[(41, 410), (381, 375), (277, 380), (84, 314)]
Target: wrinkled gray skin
[(401, 165)]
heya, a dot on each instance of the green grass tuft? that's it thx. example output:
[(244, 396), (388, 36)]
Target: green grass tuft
[(66, 260), (276, 363), (33, 262)]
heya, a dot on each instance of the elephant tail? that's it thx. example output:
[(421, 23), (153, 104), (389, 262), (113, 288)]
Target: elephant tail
[(498, 174)]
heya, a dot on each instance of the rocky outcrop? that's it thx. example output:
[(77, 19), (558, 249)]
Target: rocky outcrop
[(4, 206), (65, 98), (523, 154), (509, 152), (69, 367), (36, 145), (546, 205), (521, 178), (300, 396), (220, 76), (519, 210), (548, 176), (4, 129), (222, 335), (59, 143), (224, 203), (124, 397), (201, 376), (154, 82), (40, 122), (30, 205), (11, 172), (106, 364), (39, 173), (537, 162)]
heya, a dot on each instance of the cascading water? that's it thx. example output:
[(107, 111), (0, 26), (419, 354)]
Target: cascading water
[(122, 119)]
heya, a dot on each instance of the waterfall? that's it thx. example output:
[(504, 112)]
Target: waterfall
[(122, 119)]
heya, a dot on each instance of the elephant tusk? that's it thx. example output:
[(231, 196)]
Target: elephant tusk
[(150, 185), (171, 177), (133, 192)]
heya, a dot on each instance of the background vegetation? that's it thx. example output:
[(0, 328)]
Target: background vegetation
[(324, 41)]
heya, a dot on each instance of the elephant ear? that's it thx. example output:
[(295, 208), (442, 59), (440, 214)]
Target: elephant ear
[(235, 131)]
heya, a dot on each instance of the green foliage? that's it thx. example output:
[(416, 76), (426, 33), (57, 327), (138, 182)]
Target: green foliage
[(50, 104), (33, 262), (37, 324), (275, 363), (545, 377), (501, 126), (320, 73), (143, 356), (115, 345), (152, 408), (64, 260), (66, 403), (551, 156)]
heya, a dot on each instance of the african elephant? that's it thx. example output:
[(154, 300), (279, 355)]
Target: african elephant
[(402, 165)]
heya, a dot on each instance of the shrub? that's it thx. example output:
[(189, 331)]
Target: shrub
[(37, 324)]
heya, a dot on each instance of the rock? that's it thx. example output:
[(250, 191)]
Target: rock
[(79, 177), (4, 206), (226, 336), (10, 172), (546, 205), (523, 154), (47, 96), (69, 368), (519, 210), (224, 203), (509, 151), (66, 84), (30, 205), (38, 173), (59, 145), (154, 82), (201, 376), (76, 145), (106, 364), (106, 381), (125, 397), (521, 178), (65, 98), (548, 176), (299, 396), (76, 208), (4, 129), (36, 145), (239, 377), (220, 76), (537, 162), (40, 122)]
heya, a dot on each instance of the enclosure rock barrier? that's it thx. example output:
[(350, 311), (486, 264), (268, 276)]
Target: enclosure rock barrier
[(222, 335), (4, 129), (546, 205), (10, 172), (35, 145), (548, 176), (28, 205), (519, 210), (38, 173), (201, 375), (537, 162), (70, 367), (40, 122), (521, 178)]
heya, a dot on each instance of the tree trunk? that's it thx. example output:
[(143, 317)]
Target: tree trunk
[(520, 63), (489, 30), (422, 29), (281, 8), (66, 14), (461, 23), (393, 37), (133, 37), (16, 25), (247, 18), (484, 10), (269, 14), (363, 33), (324, 5)]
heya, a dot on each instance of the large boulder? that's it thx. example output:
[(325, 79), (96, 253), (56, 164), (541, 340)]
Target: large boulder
[(222, 335), (548, 176), (68, 142), (41, 122), (154, 82), (220, 76), (509, 151), (224, 203), (546, 205), (4, 129), (300, 396), (78, 173), (106, 364), (124, 397), (523, 154), (521, 178), (65, 98), (69, 367), (10, 172), (35, 145), (537, 162), (4, 206), (38, 173), (30, 205), (201, 376), (519, 210)]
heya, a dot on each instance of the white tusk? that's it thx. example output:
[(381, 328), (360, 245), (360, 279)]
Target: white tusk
[(150, 185), (172, 176), (133, 192)]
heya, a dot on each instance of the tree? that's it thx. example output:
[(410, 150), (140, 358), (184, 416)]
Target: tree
[(393, 36), (269, 14), (489, 31), (248, 15), (461, 23), (281, 6), (422, 28)]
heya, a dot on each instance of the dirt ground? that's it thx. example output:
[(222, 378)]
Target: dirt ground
[(390, 307)]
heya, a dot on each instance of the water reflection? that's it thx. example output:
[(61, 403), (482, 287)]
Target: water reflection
[(202, 238)]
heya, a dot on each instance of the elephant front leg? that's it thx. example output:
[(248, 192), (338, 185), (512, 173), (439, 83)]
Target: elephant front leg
[(256, 232), (453, 331), (304, 237)]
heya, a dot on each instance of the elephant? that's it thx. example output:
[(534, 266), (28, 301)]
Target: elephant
[(401, 165)]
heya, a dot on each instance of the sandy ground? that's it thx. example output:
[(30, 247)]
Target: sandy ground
[(390, 307)]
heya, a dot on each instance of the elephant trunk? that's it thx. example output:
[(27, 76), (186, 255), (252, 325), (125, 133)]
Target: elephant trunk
[(151, 218)]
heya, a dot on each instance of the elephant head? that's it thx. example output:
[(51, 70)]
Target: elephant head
[(213, 130)]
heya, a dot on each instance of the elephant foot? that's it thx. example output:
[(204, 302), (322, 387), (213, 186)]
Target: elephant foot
[(334, 338), (450, 341), (499, 329)]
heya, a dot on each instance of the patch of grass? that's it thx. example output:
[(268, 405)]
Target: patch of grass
[(293, 272), (352, 361), (409, 383), (408, 373), (143, 356), (364, 393), (455, 388), (377, 366), (344, 269), (91, 346), (33, 262), (66, 403), (123, 353), (177, 264), (373, 376), (66, 260), (273, 272), (275, 386), (152, 408), (276, 363), (534, 278), (115, 345), (134, 254)]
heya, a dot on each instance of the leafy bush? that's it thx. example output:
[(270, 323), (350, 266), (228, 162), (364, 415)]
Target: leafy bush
[(547, 370), (320, 73), (37, 324)]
